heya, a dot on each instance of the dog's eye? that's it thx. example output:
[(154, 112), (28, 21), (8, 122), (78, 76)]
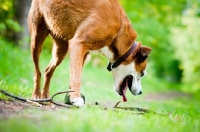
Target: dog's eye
[(142, 73)]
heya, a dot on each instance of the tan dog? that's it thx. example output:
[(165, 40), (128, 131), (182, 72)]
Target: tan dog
[(83, 26)]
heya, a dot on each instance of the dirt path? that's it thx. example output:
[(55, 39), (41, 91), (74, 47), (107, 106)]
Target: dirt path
[(162, 96), (8, 108)]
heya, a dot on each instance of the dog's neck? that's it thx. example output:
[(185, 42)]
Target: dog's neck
[(123, 41), (119, 47), (123, 57)]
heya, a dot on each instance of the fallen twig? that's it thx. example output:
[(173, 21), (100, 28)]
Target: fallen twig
[(117, 104), (136, 110), (133, 108), (38, 101)]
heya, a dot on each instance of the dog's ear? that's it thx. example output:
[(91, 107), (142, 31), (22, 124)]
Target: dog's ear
[(145, 51), (142, 54)]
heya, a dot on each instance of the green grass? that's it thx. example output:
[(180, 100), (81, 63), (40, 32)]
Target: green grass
[(94, 119), (16, 76)]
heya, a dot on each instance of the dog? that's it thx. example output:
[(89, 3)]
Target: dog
[(81, 27)]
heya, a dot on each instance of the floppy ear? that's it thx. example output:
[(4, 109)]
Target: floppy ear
[(145, 51)]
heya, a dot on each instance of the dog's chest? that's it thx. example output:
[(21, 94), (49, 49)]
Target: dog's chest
[(105, 51)]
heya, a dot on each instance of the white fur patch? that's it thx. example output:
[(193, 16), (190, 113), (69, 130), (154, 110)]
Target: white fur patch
[(106, 52), (78, 102)]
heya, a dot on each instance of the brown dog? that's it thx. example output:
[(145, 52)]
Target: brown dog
[(83, 26)]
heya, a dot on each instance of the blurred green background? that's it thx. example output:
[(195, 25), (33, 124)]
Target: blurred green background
[(171, 28)]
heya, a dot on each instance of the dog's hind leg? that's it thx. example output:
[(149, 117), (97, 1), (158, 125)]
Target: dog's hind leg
[(37, 39), (59, 52), (38, 33)]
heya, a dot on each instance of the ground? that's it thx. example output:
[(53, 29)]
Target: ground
[(8, 108)]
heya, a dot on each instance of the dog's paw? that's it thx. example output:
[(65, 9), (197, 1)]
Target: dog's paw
[(36, 96), (69, 102), (77, 102)]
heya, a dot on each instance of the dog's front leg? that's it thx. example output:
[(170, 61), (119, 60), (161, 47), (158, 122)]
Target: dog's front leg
[(77, 56)]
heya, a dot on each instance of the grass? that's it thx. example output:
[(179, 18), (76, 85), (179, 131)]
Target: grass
[(16, 73)]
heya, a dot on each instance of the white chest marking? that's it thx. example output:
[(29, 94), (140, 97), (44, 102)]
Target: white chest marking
[(106, 52)]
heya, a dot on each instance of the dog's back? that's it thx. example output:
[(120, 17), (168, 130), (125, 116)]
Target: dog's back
[(64, 17)]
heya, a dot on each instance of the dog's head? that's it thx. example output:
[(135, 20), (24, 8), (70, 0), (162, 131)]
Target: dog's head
[(128, 75)]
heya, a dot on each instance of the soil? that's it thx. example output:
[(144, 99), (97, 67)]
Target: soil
[(162, 96), (8, 108)]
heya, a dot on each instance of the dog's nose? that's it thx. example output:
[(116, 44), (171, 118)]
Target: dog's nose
[(140, 93)]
